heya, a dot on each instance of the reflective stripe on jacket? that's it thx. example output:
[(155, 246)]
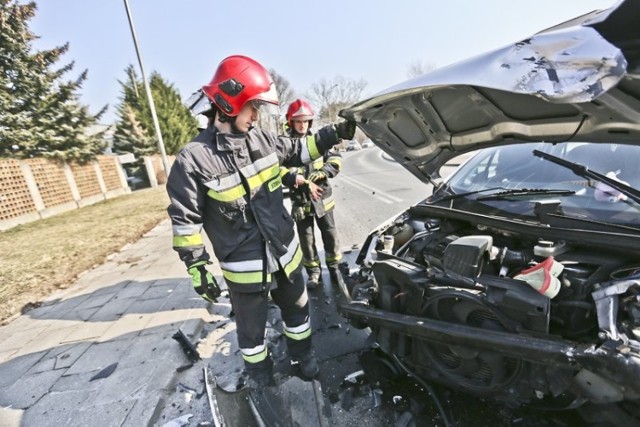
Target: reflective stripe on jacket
[(230, 185), (331, 164)]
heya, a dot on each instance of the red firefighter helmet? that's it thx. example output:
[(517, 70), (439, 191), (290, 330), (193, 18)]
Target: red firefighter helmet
[(299, 110), (240, 79)]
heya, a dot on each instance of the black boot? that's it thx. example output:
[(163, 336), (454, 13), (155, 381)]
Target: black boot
[(260, 378), (315, 277), (308, 365)]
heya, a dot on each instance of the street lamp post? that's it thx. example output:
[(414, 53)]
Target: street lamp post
[(331, 102), (152, 107)]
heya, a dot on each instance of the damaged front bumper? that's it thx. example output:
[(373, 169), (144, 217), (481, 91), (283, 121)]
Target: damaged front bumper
[(607, 360)]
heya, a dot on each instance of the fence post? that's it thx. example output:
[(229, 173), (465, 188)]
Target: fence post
[(103, 187), (32, 186), (121, 175), (73, 186)]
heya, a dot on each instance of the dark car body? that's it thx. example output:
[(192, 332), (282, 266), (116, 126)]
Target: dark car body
[(456, 288)]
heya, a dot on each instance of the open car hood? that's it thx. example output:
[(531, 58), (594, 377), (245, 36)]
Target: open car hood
[(576, 81)]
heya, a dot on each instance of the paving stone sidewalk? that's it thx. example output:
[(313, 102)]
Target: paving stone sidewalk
[(123, 312), (102, 352)]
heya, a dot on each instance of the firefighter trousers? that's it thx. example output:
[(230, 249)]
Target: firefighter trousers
[(251, 318), (329, 233)]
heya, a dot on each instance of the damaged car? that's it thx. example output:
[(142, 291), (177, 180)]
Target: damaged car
[(518, 278)]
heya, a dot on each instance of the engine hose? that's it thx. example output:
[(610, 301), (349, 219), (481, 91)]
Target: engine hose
[(427, 387)]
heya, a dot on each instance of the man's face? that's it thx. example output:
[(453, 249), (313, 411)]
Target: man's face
[(245, 118), (301, 126)]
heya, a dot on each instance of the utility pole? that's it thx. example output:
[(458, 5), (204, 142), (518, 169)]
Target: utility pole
[(152, 107)]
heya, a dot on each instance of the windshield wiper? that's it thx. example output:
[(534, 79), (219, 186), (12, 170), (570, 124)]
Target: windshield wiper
[(468, 193), (585, 172), (526, 192)]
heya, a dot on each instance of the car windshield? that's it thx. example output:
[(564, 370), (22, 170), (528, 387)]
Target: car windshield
[(511, 180)]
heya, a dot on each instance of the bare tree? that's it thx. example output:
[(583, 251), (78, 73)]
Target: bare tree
[(331, 96), (418, 68), (286, 94)]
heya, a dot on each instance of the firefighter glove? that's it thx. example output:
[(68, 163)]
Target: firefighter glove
[(298, 213), (318, 175), (346, 129), (203, 282)]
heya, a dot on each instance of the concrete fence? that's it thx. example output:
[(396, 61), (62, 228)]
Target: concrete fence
[(39, 188)]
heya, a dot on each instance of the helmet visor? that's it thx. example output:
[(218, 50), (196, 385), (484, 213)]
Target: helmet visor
[(198, 103), (265, 108)]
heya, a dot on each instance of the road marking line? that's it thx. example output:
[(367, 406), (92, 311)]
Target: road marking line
[(386, 198)]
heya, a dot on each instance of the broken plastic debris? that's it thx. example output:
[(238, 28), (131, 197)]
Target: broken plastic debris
[(188, 348), (211, 383), (185, 389), (353, 377), (184, 367), (376, 393)]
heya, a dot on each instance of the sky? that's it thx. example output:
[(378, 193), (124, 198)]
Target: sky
[(304, 41)]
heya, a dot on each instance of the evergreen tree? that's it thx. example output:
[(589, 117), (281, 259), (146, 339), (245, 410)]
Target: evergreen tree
[(177, 125), (130, 135), (40, 114)]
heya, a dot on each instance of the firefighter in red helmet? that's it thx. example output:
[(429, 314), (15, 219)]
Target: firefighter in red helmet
[(227, 181), (307, 209)]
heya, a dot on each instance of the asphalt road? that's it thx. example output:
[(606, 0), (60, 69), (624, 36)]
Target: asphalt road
[(372, 188)]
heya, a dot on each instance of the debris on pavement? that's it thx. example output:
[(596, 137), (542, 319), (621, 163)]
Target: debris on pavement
[(376, 393), (210, 385), (186, 389), (354, 377), (184, 367), (187, 346)]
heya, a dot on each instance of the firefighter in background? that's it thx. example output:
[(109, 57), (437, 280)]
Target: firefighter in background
[(311, 206), (227, 181)]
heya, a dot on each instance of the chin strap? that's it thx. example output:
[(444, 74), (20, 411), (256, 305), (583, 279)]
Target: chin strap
[(223, 118)]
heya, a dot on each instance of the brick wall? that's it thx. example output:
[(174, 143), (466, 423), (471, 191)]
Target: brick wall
[(38, 188), (87, 180), (15, 199), (51, 181)]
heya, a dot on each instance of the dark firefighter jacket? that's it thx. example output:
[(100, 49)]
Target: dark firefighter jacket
[(231, 185), (330, 163)]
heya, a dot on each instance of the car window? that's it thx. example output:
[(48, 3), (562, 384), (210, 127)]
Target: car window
[(515, 167)]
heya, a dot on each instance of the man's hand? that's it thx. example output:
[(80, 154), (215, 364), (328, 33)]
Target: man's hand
[(315, 191), (203, 282), (300, 181), (318, 175), (346, 129)]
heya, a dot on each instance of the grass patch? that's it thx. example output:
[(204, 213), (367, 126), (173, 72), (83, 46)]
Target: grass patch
[(43, 256)]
